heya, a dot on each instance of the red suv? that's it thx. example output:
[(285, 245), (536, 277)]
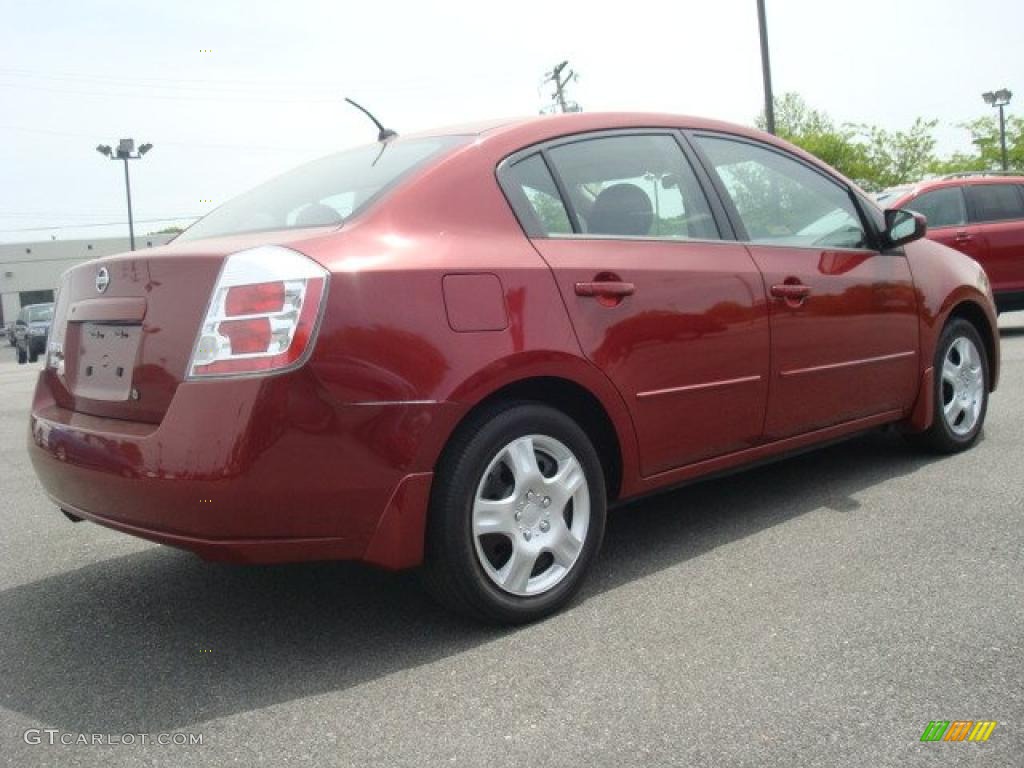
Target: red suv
[(454, 350), (981, 215)]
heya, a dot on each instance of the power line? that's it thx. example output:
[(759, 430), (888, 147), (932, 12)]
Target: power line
[(262, 85), (149, 94), (188, 144), (104, 224), (12, 214), (257, 92)]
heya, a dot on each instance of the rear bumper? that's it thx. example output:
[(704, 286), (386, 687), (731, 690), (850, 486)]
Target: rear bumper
[(250, 470), (241, 550)]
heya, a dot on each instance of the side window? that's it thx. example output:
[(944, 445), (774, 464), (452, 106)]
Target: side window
[(780, 200), (634, 186), (995, 202), (943, 207), (531, 179)]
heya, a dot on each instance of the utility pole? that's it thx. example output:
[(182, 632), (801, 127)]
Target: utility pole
[(766, 70), (555, 76), (126, 151)]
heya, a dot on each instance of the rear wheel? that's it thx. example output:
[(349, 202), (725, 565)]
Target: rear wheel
[(961, 389), (517, 514), (22, 356)]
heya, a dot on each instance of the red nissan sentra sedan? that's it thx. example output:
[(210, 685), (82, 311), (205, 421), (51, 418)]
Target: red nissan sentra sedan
[(454, 350)]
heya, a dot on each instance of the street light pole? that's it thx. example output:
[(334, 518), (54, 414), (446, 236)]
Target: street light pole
[(1000, 99), (766, 70), (128, 192), (1002, 135), (126, 151)]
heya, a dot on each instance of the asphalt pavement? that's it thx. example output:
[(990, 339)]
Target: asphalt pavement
[(815, 612)]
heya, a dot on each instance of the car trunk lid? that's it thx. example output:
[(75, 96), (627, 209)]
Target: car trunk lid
[(125, 325)]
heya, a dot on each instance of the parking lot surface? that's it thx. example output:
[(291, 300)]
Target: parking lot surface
[(815, 612)]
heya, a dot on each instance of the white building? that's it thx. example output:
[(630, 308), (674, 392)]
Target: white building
[(29, 272)]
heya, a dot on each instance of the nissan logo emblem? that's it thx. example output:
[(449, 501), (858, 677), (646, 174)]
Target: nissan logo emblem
[(102, 280)]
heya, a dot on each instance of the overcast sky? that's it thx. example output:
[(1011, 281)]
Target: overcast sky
[(76, 73)]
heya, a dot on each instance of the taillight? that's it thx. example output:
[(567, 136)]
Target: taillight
[(263, 314), (55, 339)]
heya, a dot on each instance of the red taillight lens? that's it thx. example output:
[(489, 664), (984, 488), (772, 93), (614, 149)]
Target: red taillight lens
[(247, 337), (263, 314), (254, 299)]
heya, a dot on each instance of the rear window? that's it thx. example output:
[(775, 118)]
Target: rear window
[(942, 207), (995, 202), (39, 314), (322, 193)]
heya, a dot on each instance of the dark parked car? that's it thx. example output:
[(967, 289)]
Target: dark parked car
[(31, 330), (980, 215), (452, 351)]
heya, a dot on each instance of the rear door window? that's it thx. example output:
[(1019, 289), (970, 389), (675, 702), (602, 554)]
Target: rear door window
[(634, 186), (995, 202), (943, 207)]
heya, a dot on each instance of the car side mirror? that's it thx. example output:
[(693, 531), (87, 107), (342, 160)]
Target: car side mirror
[(902, 227)]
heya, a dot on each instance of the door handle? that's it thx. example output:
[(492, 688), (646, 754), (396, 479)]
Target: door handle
[(606, 289), (963, 237), (791, 292)]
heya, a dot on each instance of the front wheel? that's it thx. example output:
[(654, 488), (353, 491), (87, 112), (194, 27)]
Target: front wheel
[(961, 389), (517, 514), (22, 356)]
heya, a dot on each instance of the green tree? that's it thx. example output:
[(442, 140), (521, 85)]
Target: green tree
[(874, 157), (896, 157), (987, 153), (815, 132)]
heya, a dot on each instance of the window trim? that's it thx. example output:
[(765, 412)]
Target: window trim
[(972, 211), (963, 196), (522, 209), (502, 172), (873, 236)]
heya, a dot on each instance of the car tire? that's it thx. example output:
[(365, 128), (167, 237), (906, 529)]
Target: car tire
[(22, 356), (517, 514), (961, 388), (33, 356)]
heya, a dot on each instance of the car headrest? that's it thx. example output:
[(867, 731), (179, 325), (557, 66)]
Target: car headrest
[(317, 215), (621, 209)]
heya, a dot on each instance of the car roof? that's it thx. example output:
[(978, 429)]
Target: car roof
[(956, 180), (580, 122)]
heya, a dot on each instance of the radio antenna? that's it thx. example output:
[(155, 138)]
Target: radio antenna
[(383, 133)]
